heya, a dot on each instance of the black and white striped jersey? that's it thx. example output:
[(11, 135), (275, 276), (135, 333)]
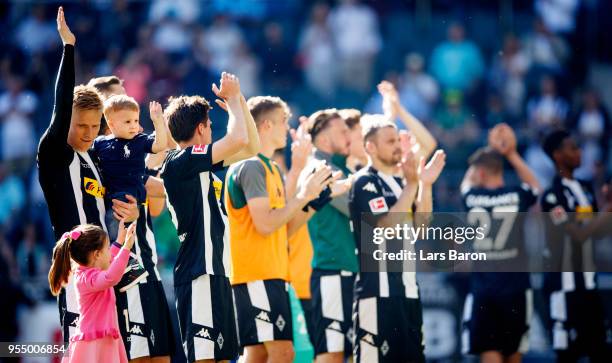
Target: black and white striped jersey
[(372, 195), (193, 196), (69, 179), (569, 201)]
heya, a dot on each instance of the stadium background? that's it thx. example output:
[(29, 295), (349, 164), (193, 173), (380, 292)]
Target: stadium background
[(533, 64)]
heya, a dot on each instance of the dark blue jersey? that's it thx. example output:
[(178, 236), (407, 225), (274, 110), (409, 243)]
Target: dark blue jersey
[(195, 205), (501, 212), (122, 163)]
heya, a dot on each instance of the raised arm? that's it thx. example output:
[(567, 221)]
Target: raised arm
[(393, 109), (253, 146), (503, 139), (161, 136), (236, 138), (57, 133)]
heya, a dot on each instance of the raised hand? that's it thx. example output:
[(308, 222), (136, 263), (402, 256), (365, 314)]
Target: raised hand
[(428, 174), (301, 147), (229, 87), (502, 139), (316, 182), (409, 166), (63, 29), (391, 102), (156, 112), (130, 236), (340, 186)]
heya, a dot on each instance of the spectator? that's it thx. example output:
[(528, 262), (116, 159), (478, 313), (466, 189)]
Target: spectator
[(172, 36), (546, 51), (135, 74), (185, 11), (246, 67), (35, 34), (457, 63), (317, 53), (593, 131), (358, 40), (508, 75), (456, 129), (558, 15), (17, 132), (31, 257), (277, 57), (221, 41), (419, 90), (12, 197), (548, 110)]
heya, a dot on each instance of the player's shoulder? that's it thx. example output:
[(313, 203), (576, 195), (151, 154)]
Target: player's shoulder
[(247, 166), (365, 183)]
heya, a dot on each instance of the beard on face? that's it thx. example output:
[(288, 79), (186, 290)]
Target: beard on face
[(393, 159)]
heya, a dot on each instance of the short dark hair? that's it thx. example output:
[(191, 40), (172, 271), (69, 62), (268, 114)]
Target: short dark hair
[(553, 141), (103, 84), (261, 105), (488, 158), (319, 121), (351, 117), (184, 114)]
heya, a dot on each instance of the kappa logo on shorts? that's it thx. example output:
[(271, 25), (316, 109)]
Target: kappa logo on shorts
[(75, 322), (378, 205), (203, 333), (136, 330), (263, 316), (199, 149), (182, 237), (152, 338), (280, 323)]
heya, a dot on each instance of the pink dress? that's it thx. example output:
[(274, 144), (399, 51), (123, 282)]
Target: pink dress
[(98, 338)]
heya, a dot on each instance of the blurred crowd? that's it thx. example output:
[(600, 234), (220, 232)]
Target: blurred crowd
[(459, 66)]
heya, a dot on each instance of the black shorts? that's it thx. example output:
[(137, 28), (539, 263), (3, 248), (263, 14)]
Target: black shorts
[(263, 312), (388, 329), (68, 309), (144, 320), (579, 325), (206, 318), (332, 304), (497, 323)]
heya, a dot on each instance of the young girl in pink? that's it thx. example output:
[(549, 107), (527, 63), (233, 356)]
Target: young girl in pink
[(99, 269)]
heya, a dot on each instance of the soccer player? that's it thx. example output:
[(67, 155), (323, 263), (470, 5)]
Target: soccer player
[(498, 308), (68, 175), (388, 316), (576, 310), (261, 219), (357, 157), (201, 274), (334, 261), (107, 86)]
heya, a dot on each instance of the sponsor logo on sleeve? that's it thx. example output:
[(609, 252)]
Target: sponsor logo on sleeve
[(199, 149), (378, 205)]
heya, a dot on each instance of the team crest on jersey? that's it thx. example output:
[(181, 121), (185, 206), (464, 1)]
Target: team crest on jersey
[(199, 149), (93, 187), (378, 205), (370, 187)]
